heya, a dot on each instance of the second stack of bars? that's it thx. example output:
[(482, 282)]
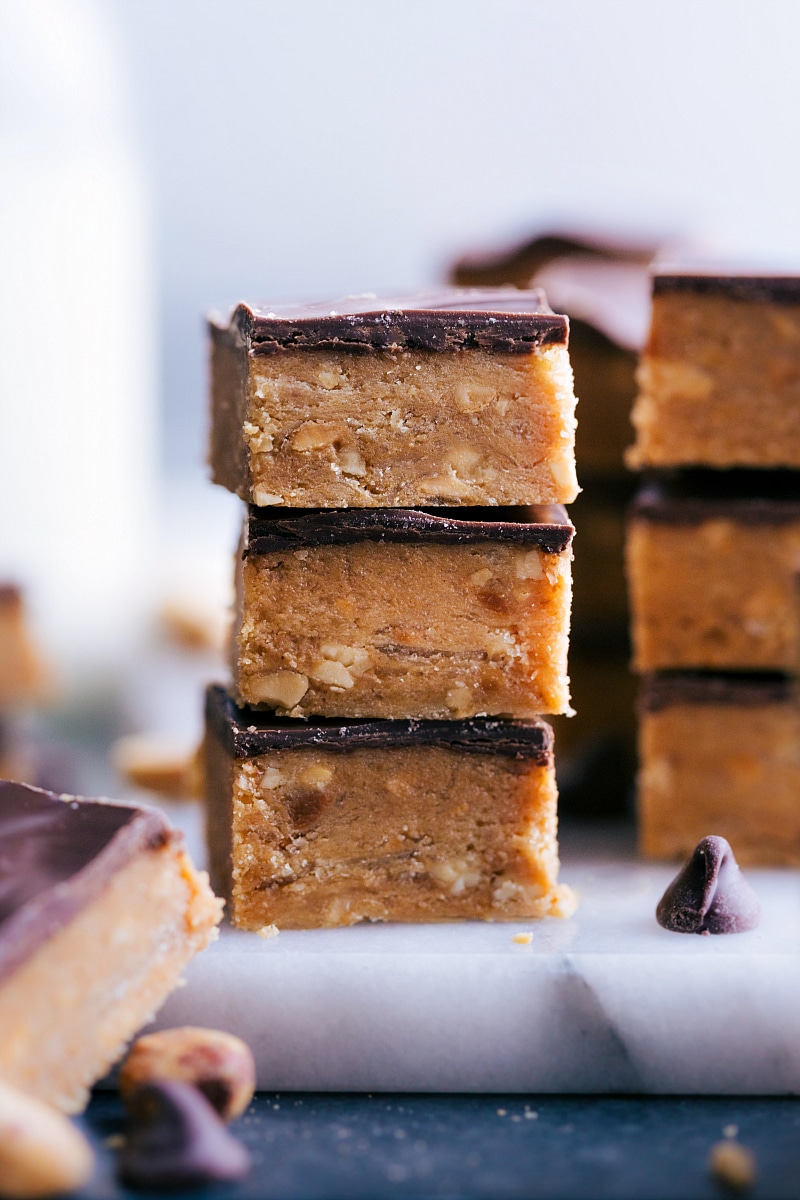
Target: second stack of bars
[(713, 565), (403, 594)]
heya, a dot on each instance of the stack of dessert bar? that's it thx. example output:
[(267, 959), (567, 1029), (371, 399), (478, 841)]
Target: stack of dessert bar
[(713, 563), (603, 286), (403, 592)]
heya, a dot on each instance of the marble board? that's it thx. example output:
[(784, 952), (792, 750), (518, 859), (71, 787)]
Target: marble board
[(603, 1002)]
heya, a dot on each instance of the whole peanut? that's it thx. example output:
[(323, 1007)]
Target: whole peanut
[(217, 1064), (41, 1152)]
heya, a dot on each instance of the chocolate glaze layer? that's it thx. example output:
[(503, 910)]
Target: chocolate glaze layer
[(710, 894), (757, 497), (505, 320), (519, 262), (248, 732), (275, 529), (668, 688), (751, 289), (56, 855)]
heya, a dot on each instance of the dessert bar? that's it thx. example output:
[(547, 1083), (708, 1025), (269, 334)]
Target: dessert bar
[(720, 375), (455, 397), (713, 561), (404, 612), (335, 822), (720, 754), (100, 911)]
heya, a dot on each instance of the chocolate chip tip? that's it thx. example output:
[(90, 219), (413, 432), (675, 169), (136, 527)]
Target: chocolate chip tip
[(709, 895)]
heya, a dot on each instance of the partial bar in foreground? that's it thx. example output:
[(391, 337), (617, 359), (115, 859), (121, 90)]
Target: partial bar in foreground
[(100, 911)]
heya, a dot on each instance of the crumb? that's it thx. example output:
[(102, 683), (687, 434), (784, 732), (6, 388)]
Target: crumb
[(730, 1131), (530, 1114), (522, 939), (732, 1166), (268, 931), (114, 1141), (565, 901), (501, 1112)]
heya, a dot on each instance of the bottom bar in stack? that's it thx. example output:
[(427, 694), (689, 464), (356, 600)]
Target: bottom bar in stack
[(720, 754), (338, 821)]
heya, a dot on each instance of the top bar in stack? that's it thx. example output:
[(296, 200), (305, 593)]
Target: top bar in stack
[(720, 376), (455, 397)]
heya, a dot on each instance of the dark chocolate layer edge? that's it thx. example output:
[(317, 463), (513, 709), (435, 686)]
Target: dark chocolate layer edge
[(246, 733), (518, 263), (754, 289), (272, 530), (695, 496), (506, 321), (670, 688), (49, 907)]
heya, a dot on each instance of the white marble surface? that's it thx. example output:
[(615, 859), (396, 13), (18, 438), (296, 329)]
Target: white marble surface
[(604, 1002)]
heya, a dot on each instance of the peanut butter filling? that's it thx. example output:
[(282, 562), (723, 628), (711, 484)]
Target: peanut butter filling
[(395, 630), (394, 428)]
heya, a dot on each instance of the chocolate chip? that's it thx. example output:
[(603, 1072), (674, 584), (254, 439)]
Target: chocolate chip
[(710, 894), (175, 1140)]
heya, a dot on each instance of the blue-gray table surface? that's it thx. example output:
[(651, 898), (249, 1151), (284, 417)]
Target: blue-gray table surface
[(382, 1147)]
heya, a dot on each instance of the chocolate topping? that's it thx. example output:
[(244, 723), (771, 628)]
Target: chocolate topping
[(710, 894), (275, 529), (505, 320), (10, 595), (248, 732), (751, 289), (757, 497), (609, 296), (668, 688), (519, 262), (56, 855)]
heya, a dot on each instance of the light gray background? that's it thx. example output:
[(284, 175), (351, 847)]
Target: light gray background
[(321, 146)]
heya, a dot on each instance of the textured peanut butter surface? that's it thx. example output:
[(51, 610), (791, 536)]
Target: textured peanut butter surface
[(718, 593), (394, 427), (719, 383), (726, 769), (395, 630), (411, 833)]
